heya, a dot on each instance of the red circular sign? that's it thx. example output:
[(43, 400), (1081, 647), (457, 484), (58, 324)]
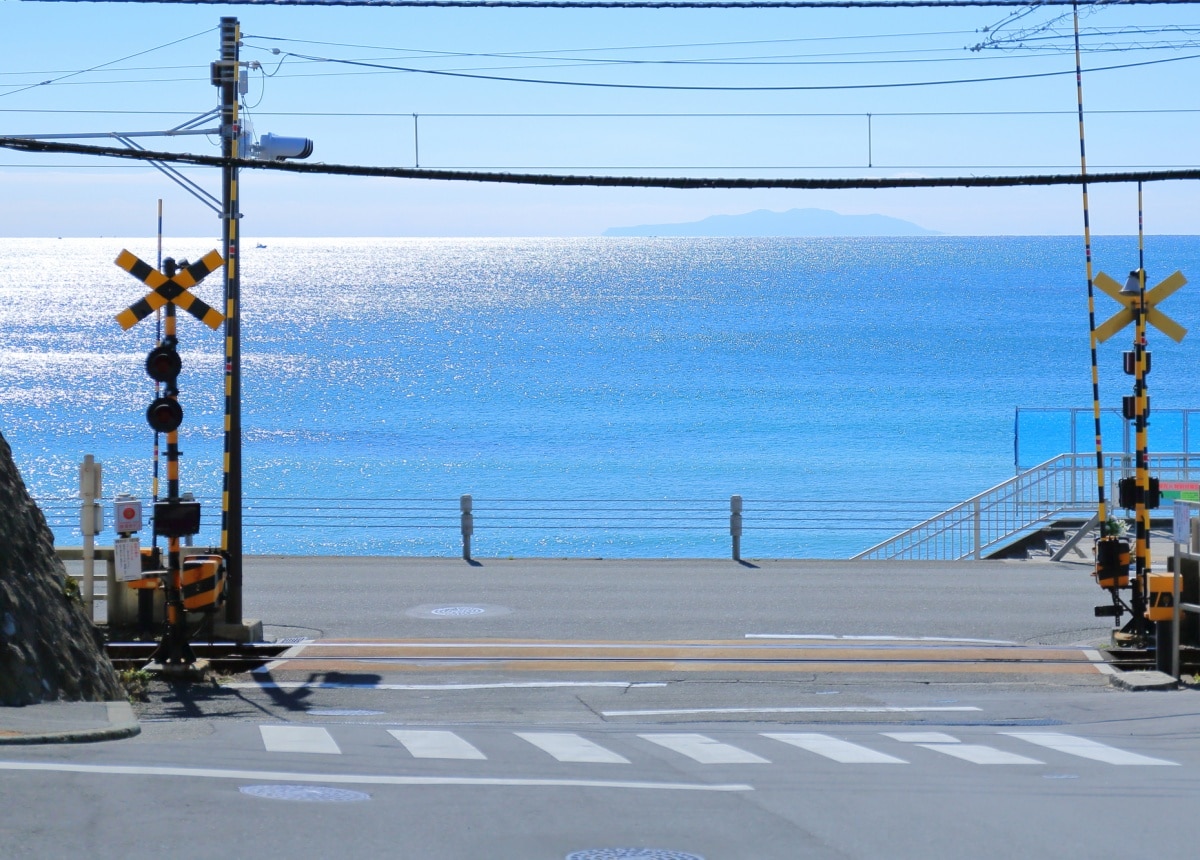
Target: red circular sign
[(128, 513)]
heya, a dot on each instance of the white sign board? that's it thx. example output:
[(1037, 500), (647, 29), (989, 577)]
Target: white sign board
[(127, 515), (1182, 527), (127, 555)]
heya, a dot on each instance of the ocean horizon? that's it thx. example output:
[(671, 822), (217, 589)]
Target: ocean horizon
[(385, 378)]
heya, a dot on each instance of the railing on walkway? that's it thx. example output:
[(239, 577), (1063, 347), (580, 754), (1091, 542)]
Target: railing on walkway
[(1039, 431), (584, 527), (1062, 487), (581, 527)]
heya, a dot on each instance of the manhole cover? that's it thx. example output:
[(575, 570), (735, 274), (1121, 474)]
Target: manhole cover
[(632, 854), (458, 611), (309, 793)]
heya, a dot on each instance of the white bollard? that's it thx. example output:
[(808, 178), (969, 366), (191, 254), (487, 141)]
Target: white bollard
[(468, 525), (735, 525), (91, 521)]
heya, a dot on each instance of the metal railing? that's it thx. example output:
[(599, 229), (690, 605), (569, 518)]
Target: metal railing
[(1062, 487), (1071, 429), (531, 527), (633, 527)]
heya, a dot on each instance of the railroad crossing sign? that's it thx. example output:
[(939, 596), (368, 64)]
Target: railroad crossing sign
[(173, 290), (1154, 316)]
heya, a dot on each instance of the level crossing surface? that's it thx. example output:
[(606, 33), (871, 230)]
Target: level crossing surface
[(563, 709)]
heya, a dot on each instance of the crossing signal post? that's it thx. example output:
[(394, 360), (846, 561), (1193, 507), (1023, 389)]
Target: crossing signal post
[(173, 519), (1139, 493)]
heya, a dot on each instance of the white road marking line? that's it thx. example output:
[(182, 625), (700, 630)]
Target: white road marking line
[(355, 779), (841, 638), (867, 709), (301, 739), (337, 685), (978, 754), (570, 747), (837, 749), (921, 737), (436, 744), (294, 651), (1089, 749), (704, 749), (1101, 665)]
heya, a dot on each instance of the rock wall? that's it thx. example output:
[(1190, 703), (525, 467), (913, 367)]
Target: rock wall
[(49, 647)]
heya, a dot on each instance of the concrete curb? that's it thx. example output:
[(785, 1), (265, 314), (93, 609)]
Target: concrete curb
[(117, 722), (1143, 681)]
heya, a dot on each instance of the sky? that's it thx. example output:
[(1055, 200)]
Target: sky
[(822, 93)]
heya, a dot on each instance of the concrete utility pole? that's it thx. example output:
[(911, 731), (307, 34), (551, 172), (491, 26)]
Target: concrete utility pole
[(226, 75)]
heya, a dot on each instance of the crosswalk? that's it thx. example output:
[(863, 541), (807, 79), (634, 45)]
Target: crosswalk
[(890, 748)]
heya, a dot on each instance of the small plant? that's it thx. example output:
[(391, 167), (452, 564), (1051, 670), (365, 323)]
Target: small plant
[(71, 590), (1114, 527), (136, 683)]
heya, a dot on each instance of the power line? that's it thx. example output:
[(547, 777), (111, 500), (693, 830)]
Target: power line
[(568, 180), (103, 65), (655, 4), (714, 88)]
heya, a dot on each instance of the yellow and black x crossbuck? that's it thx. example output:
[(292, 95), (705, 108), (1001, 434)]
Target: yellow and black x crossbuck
[(166, 290), (1154, 316)]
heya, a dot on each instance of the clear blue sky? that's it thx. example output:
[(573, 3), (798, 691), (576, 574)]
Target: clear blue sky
[(1147, 116)]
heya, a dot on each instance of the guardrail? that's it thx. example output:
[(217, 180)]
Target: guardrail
[(1061, 487), (762, 527)]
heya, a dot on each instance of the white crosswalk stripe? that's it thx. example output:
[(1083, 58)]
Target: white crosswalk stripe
[(301, 739), (1088, 749), (952, 746), (704, 749), (839, 750), (436, 744), (570, 747)]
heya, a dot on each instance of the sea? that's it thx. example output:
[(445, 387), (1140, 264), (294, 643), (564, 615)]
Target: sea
[(595, 397)]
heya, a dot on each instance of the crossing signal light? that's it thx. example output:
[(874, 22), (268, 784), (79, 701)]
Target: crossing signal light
[(163, 364), (164, 415)]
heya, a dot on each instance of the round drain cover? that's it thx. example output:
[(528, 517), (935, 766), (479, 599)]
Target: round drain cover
[(457, 611), (317, 793), (632, 854)]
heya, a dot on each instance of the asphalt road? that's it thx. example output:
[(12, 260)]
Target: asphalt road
[(661, 710)]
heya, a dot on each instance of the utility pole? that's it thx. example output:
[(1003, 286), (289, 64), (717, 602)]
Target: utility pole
[(226, 75)]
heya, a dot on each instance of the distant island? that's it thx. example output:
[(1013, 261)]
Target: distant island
[(794, 222)]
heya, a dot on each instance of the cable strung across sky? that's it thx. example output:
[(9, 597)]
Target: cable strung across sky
[(655, 4), (679, 182)]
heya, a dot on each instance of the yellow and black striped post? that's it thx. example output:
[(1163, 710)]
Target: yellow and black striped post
[(174, 648), (1101, 505), (226, 75)]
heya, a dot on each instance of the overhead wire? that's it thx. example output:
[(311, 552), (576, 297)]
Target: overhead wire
[(721, 88), (99, 66), (679, 182)]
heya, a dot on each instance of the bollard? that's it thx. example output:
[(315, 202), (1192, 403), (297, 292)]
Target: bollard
[(735, 525), (468, 526), (91, 522)]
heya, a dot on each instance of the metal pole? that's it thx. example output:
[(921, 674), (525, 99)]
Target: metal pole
[(468, 525), (226, 76), (1142, 512), (173, 650), (1101, 506), (735, 526)]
